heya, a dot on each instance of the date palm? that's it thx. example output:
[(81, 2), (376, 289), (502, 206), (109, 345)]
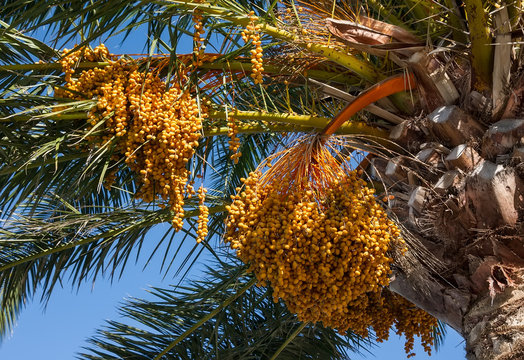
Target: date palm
[(445, 157)]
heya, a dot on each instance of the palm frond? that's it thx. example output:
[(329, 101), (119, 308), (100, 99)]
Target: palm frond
[(251, 327), (74, 244), (439, 334), (45, 156), (16, 47)]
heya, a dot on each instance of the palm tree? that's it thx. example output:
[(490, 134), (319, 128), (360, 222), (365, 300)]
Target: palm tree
[(445, 157)]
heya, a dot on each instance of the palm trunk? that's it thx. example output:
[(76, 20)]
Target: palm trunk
[(494, 326), (461, 201)]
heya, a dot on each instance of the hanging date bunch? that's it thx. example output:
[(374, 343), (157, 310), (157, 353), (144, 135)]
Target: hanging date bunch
[(312, 229), (252, 33), (155, 130)]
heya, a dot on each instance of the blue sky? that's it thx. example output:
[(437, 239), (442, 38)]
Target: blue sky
[(59, 331)]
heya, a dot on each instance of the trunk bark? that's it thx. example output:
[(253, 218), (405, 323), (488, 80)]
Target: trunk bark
[(464, 226), (494, 327)]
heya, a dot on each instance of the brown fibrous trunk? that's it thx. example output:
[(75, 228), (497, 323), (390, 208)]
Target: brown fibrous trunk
[(494, 326), (461, 203)]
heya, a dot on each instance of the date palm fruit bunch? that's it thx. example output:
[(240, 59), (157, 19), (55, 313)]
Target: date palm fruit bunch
[(312, 229), (155, 130), (203, 217), (384, 310), (252, 33), (234, 140)]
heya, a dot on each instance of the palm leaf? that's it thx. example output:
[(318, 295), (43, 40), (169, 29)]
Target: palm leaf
[(251, 327), (67, 243)]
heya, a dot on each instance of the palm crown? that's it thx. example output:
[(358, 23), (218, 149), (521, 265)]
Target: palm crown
[(259, 71)]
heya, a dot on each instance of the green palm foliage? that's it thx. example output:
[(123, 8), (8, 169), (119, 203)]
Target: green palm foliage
[(60, 223), (251, 326)]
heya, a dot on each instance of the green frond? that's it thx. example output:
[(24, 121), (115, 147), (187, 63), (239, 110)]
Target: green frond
[(16, 47), (45, 156), (251, 327), (77, 244), (439, 334)]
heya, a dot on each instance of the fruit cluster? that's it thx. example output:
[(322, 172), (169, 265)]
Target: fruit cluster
[(318, 236), (382, 311), (318, 254), (198, 49), (234, 141), (203, 217), (72, 58), (155, 130), (412, 321), (252, 33)]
